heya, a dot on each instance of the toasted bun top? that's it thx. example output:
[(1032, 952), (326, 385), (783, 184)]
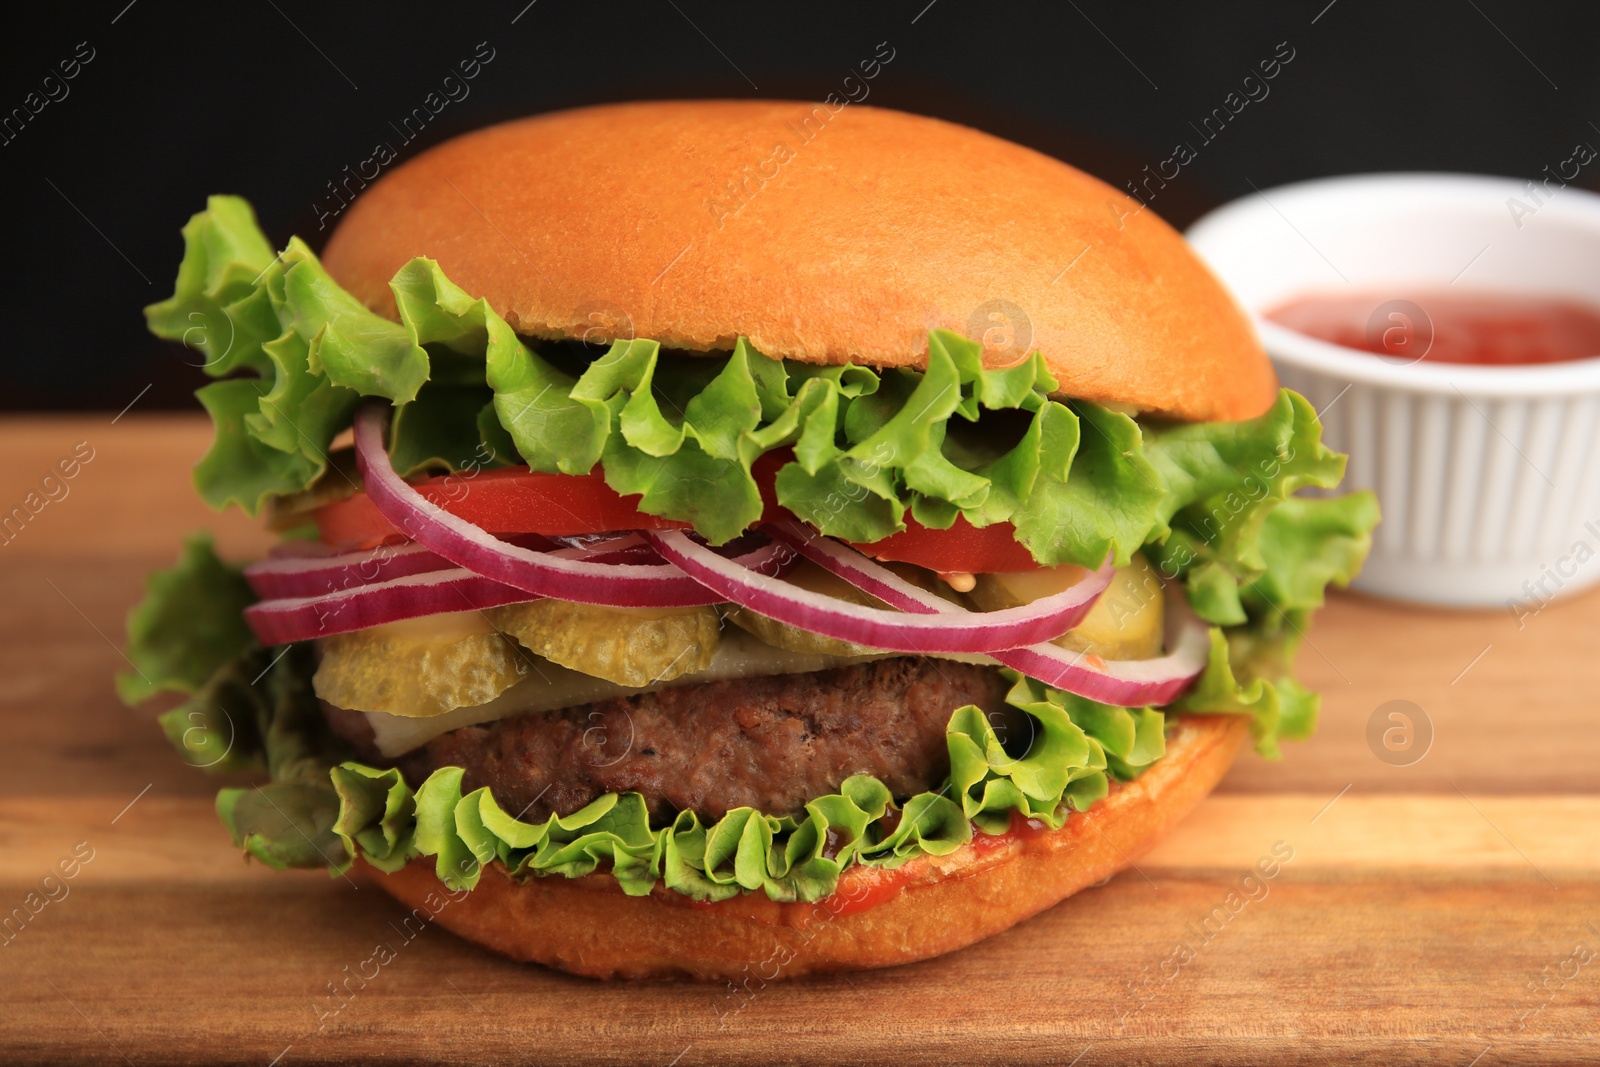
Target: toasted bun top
[(822, 233)]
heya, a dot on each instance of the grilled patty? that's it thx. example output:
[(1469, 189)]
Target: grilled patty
[(768, 743)]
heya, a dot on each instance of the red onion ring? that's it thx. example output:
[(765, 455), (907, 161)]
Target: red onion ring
[(921, 631), (309, 576), (1128, 683), (278, 622), (464, 544), (358, 605), (304, 574)]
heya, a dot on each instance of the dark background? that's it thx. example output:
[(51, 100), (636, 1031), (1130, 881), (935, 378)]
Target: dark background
[(272, 98)]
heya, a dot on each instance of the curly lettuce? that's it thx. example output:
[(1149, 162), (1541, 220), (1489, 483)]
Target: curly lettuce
[(188, 626)]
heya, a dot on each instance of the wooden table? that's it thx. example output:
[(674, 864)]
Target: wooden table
[(1446, 911)]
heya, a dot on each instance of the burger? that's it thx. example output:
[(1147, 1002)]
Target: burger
[(729, 538)]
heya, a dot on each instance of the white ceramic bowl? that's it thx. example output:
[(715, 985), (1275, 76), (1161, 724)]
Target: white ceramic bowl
[(1489, 477)]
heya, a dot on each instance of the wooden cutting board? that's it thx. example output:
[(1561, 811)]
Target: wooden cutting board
[(1442, 903)]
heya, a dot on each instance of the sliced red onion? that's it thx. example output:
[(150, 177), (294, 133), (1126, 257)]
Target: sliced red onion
[(612, 539), (362, 604), (625, 546), (894, 631), (305, 574), (870, 576), (614, 585), (277, 622), (1128, 683)]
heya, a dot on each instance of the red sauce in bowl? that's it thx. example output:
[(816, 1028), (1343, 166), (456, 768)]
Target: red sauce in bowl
[(1487, 329)]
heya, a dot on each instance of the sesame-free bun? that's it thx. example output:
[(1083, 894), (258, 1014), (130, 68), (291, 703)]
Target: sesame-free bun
[(588, 926), (822, 232)]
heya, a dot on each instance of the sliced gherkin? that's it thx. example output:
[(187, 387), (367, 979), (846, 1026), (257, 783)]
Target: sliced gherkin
[(412, 672), (1125, 623), (782, 635), (634, 648), (806, 575)]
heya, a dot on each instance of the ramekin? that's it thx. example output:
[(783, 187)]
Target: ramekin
[(1489, 477)]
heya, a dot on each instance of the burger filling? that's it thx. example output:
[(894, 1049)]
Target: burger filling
[(771, 743), (712, 622)]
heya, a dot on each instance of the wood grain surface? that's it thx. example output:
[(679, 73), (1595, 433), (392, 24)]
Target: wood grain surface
[(1443, 911)]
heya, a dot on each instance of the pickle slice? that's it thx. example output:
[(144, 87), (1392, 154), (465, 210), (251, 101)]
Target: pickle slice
[(626, 646), (1125, 623), (415, 671), (806, 575)]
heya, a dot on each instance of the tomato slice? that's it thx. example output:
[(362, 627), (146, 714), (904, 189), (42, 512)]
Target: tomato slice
[(507, 500), (516, 500), (963, 547)]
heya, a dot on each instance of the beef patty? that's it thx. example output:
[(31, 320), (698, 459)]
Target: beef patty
[(768, 743)]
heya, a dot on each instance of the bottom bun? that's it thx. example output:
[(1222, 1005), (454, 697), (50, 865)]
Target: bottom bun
[(875, 918)]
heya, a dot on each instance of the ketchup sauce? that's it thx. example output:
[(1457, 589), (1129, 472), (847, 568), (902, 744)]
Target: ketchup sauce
[(1485, 329)]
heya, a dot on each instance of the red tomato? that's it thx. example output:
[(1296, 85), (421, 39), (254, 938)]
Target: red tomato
[(517, 500), (963, 547), (508, 500)]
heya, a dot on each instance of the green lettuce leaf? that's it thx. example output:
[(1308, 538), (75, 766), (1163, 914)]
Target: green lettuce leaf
[(443, 431), (275, 720), (309, 351), (1225, 482), (1306, 544), (1102, 502), (1279, 707), (188, 626), (218, 728), (285, 824), (248, 708)]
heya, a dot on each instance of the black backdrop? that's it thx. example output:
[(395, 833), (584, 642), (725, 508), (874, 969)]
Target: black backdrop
[(273, 98)]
